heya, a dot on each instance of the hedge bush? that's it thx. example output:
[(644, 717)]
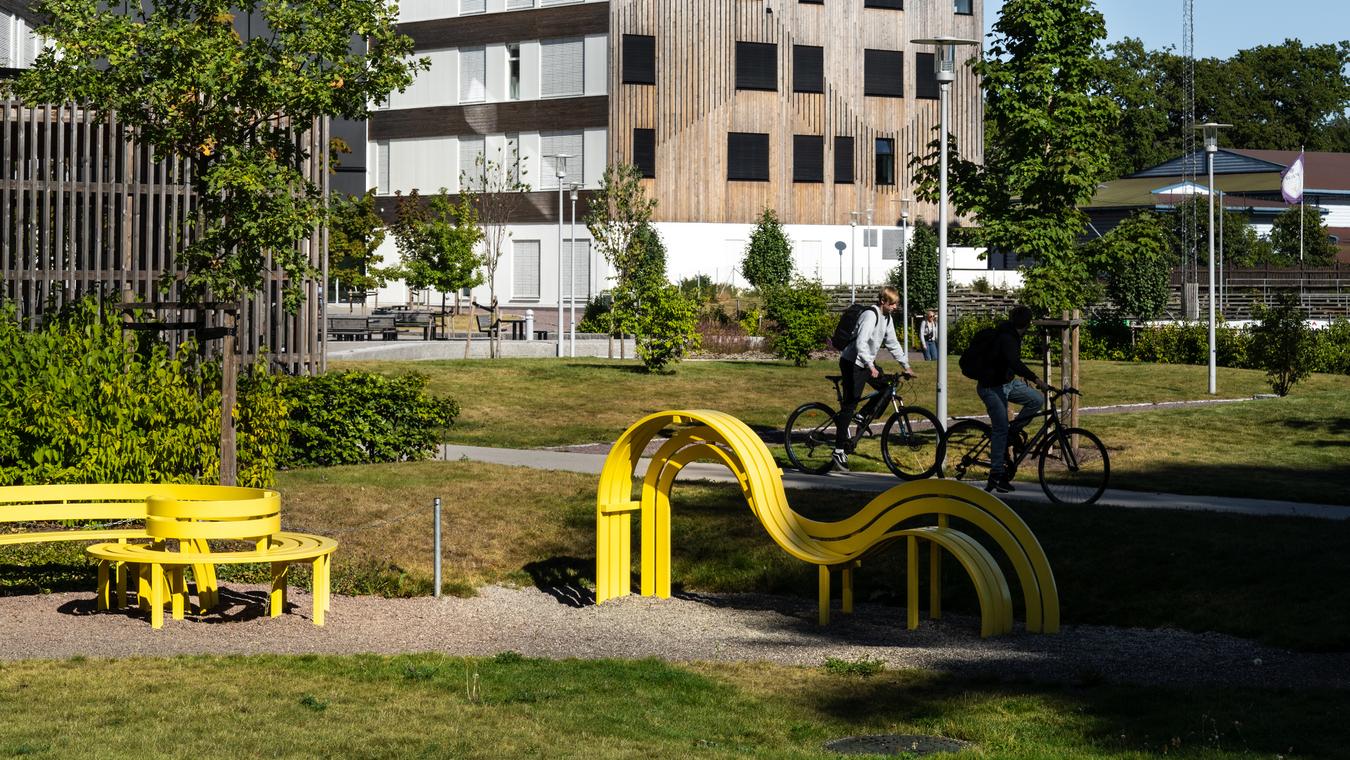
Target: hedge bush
[(361, 417), (803, 322)]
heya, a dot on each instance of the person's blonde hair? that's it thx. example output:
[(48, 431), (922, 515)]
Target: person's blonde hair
[(888, 295)]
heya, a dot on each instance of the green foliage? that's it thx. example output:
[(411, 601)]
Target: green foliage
[(79, 403), (181, 77), (1188, 343), (1133, 260), (355, 233), (500, 188), (669, 328), (619, 223), (1333, 347), (801, 311), (1241, 246), (437, 241), (1048, 122), (646, 275), (861, 667), (767, 263), (1318, 250), (363, 417), (596, 317), (262, 425), (923, 269), (1283, 344)]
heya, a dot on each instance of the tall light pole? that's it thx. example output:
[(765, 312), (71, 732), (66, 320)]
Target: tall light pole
[(852, 257), (560, 169), (945, 69), (1211, 131), (904, 271), (572, 272), (866, 232)]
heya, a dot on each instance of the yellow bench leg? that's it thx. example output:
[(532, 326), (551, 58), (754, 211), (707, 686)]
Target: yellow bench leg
[(934, 581), (824, 582), (104, 585), (178, 592), (156, 596), (278, 587), (318, 582), (846, 590), (912, 582), (121, 584)]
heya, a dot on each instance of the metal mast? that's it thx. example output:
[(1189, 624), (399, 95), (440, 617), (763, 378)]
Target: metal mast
[(1190, 243)]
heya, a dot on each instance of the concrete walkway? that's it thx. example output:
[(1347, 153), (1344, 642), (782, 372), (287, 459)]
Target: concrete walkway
[(546, 459)]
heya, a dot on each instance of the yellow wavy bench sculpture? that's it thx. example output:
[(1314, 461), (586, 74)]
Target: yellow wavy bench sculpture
[(833, 546), (245, 514)]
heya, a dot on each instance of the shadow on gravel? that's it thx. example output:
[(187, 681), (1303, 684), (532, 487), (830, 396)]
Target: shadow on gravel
[(565, 579), (235, 606)]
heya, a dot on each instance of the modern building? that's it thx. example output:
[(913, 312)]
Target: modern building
[(811, 108), (1248, 182)]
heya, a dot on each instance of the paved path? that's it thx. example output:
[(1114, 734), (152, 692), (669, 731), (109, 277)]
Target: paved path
[(546, 459)]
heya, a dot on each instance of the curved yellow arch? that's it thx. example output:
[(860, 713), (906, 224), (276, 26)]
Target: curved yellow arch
[(839, 545)]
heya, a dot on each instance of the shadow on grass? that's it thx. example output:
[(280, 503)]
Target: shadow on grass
[(565, 579), (1323, 478)]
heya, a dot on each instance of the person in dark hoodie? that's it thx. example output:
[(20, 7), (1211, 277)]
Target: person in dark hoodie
[(999, 384)]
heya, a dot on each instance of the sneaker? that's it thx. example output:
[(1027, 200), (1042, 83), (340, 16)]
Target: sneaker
[(999, 483), (841, 460)]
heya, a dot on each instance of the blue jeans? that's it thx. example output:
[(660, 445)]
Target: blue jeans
[(996, 400), (930, 350)]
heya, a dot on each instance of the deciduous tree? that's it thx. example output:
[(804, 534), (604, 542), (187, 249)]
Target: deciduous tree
[(355, 233), (767, 263)]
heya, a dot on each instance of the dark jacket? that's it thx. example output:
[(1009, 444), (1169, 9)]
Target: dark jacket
[(1005, 359)]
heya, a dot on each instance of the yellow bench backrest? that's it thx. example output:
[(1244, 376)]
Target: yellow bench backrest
[(112, 501), (253, 516)]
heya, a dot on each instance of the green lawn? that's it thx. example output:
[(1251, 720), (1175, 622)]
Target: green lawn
[(507, 706)]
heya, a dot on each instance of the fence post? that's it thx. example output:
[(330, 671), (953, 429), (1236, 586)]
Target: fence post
[(436, 510)]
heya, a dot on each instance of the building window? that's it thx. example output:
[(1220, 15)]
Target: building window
[(525, 270), (925, 76), (569, 144), (513, 71), (884, 73), (580, 252), (472, 162), (639, 59), (885, 161), (843, 160), (808, 68), (472, 75), (644, 151), (808, 158), (467, 7), (562, 63), (748, 156), (965, 7), (895, 5), (756, 66), (382, 168), (515, 5)]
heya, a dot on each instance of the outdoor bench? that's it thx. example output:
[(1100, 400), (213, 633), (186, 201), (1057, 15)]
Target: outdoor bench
[(73, 512), (353, 328)]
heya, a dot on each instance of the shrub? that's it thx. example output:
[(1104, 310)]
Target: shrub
[(81, 402), (1188, 343), (669, 328), (767, 263), (721, 336), (964, 327), (1333, 347), (1283, 344), (803, 320), (362, 417), (596, 318)]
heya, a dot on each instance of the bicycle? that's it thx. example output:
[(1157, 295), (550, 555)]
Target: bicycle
[(1073, 467), (911, 441)]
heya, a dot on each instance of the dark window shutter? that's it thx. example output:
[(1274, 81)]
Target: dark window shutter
[(898, 5), (925, 76), (808, 158), (885, 161), (811, 2), (756, 66), (843, 160), (884, 73), (808, 68), (639, 59), (644, 151), (748, 156), (965, 7)]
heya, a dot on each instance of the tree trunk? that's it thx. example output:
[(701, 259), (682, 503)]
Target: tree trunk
[(229, 392)]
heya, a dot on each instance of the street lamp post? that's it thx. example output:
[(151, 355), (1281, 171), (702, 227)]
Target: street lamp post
[(560, 169), (872, 232), (572, 273), (904, 272), (852, 258), (1211, 132), (945, 64)]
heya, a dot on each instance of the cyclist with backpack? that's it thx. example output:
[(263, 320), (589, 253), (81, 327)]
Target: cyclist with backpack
[(994, 361), (873, 331)]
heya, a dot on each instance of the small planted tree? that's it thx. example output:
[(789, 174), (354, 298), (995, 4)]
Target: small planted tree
[(1133, 261), (437, 243), (500, 193), (1317, 248), (801, 311), (355, 233), (1283, 343), (768, 255), (619, 209), (923, 269)]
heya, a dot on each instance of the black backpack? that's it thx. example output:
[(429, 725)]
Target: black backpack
[(975, 359), (847, 330)]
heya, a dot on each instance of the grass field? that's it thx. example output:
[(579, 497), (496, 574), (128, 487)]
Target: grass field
[(1290, 448), (508, 707)]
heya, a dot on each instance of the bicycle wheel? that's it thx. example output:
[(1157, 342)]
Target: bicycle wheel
[(912, 443), (1074, 476), (809, 438), (967, 450)]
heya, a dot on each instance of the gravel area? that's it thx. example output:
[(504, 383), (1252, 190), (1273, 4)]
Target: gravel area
[(746, 627)]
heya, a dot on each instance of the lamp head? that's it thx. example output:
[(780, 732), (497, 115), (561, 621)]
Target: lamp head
[(560, 166), (1210, 130), (944, 63), (573, 190)]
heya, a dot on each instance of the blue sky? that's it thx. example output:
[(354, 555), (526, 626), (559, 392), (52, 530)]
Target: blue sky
[(1222, 27)]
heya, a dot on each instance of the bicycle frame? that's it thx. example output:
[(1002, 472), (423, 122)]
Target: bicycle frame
[(889, 393), (1052, 428)]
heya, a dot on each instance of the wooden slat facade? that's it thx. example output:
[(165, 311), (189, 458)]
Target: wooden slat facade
[(84, 209), (695, 103)]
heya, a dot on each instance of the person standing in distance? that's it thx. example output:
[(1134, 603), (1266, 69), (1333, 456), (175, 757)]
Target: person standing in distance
[(857, 364), (998, 384), (928, 334)]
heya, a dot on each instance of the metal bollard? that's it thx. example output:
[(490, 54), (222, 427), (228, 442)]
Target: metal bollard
[(529, 324), (436, 509)]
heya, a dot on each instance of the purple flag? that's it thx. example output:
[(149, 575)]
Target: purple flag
[(1291, 181)]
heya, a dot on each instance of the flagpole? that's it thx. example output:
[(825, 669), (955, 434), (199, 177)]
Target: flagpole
[(1300, 218)]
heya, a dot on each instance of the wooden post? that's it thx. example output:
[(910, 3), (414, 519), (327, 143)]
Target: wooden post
[(1064, 359), (229, 392), (1074, 401)]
